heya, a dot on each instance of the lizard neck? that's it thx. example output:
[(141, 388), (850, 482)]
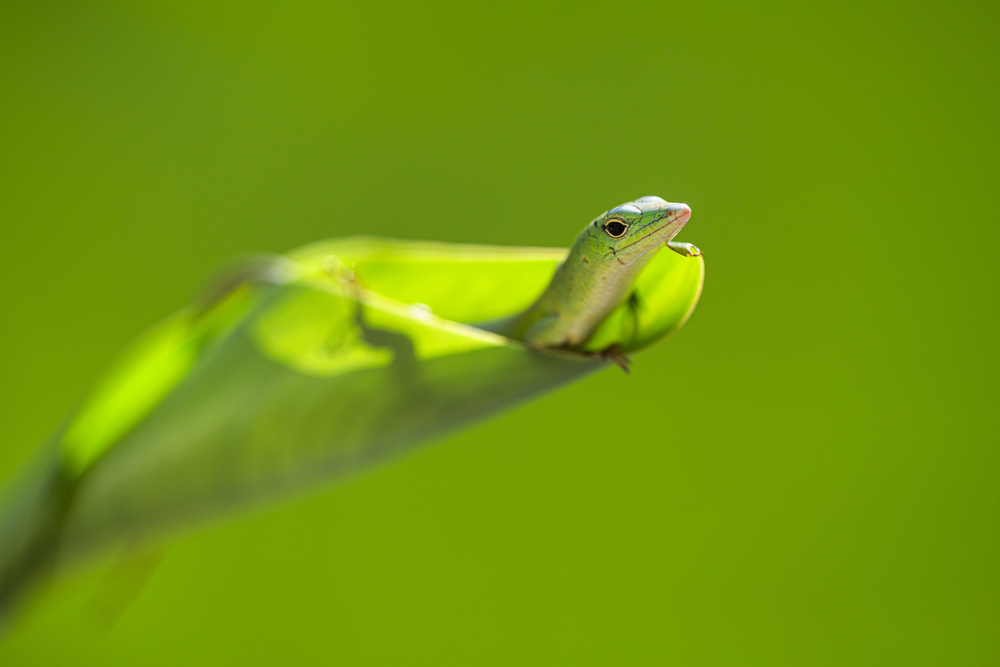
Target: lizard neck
[(583, 291)]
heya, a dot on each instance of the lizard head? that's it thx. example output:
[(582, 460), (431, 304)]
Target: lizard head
[(629, 231)]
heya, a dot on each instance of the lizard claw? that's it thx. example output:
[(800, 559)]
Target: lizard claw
[(684, 249), (614, 355)]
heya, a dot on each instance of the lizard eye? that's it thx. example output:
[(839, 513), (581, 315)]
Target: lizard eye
[(615, 228)]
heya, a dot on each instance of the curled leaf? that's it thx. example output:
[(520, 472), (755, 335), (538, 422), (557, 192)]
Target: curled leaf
[(340, 354)]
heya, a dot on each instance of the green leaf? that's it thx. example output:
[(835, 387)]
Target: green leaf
[(354, 350)]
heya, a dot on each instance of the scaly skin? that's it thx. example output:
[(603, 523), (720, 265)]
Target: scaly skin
[(599, 273)]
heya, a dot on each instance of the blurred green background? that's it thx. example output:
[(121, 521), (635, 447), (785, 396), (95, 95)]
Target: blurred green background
[(805, 474)]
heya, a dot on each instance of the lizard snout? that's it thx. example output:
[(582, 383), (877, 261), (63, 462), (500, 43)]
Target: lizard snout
[(682, 213)]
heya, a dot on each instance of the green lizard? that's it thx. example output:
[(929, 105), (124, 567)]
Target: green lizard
[(598, 273)]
